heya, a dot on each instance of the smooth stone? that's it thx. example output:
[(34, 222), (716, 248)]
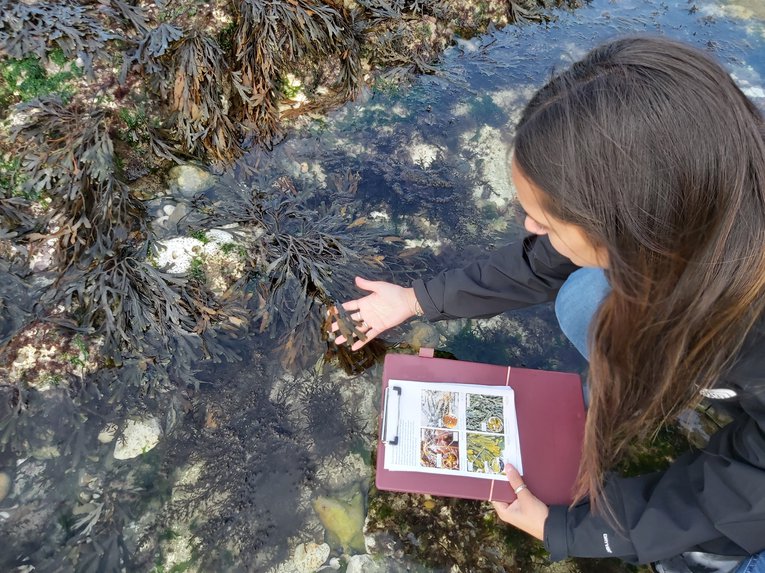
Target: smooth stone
[(190, 180), (138, 437), (5, 485), (343, 520)]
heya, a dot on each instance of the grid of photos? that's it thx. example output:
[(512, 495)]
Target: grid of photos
[(440, 444), (485, 433)]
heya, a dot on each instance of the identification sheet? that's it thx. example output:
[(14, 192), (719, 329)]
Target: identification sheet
[(452, 429)]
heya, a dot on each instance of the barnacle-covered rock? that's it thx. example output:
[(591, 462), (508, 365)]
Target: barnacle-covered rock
[(364, 564), (176, 255), (213, 256), (42, 356)]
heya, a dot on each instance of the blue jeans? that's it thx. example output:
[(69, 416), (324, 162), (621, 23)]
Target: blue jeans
[(753, 564), (578, 299)]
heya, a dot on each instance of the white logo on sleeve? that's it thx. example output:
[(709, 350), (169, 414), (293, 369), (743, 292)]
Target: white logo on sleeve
[(605, 542), (717, 393)]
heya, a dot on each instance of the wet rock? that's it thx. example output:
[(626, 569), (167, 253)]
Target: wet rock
[(45, 453), (41, 255), (44, 357), (363, 564), (148, 187), (138, 437), (488, 154), (309, 557), (176, 255), (424, 154), (188, 180), (5, 485), (343, 520), (339, 475), (222, 266), (424, 334)]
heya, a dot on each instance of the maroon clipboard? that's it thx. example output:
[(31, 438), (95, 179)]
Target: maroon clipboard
[(550, 411)]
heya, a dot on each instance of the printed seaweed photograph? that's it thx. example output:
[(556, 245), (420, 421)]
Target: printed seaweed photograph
[(484, 453), (440, 449), (484, 413), (439, 409)]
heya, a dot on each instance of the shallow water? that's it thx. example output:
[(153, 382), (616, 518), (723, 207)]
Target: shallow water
[(230, 485)]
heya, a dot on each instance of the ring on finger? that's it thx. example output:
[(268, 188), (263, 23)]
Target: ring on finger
[(520, 488)]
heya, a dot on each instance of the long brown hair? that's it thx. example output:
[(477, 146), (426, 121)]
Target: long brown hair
[(648, 145)]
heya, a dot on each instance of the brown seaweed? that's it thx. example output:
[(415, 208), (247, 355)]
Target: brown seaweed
[(143, 311), (273, 37), (34, 27), (68, 156), (199, 97)]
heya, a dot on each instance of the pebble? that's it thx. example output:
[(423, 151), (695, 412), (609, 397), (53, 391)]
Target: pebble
[(5, 485)]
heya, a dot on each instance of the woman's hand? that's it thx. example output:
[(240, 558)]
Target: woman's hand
[(387, 306), (527, 513)]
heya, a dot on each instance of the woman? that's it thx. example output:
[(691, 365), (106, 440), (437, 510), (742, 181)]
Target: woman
[(641, 170)]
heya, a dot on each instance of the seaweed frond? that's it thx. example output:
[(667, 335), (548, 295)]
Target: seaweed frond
[(32, 27), (199, 98), (144, 311), (270, 39), (302, 254), (15, 217), (69, 156)]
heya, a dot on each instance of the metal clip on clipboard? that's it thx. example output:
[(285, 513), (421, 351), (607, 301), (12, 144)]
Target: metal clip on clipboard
[(391, 412)]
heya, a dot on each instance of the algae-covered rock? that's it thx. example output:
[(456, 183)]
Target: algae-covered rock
[(343, 520)]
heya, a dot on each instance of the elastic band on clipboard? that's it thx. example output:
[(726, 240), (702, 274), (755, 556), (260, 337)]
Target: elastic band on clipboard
[(491, 491)]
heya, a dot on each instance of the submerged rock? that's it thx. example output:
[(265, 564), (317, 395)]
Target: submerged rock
[(310, 556), (188, 180), (364, 564), (176, 255), (343, 520), (138, 437), (5, 485), (307, 558), (336, 475)]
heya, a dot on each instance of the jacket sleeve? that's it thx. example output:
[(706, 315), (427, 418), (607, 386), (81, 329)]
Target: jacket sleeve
[(520, 274), (710, 500)]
